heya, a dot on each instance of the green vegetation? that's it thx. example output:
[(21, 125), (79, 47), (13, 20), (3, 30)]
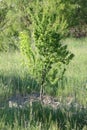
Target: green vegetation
[(44, 118), (13, 69), (43, 44), (43, 70), (15, 17), (15, 78)]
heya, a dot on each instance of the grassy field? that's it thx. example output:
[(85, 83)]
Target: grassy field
[(14, 78), (76, 73)]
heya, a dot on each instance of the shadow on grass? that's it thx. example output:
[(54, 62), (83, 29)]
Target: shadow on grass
[(16, 83)]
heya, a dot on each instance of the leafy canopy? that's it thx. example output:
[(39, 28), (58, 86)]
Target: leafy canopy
[(48, 27)]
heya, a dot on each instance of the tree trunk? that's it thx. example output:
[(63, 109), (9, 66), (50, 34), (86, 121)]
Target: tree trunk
[(43, 77)]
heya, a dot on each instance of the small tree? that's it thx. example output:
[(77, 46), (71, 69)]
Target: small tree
[(47, 30)]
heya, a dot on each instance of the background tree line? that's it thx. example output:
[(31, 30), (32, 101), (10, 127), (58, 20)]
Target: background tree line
[(14, 17)]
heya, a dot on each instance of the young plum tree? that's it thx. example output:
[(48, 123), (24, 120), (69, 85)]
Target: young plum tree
[(48, 27)]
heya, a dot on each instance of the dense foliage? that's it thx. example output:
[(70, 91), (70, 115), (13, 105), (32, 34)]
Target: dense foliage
[(14, 17), (47, 29), (9, 26)]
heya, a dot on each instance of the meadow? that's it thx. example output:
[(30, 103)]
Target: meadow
[(15, 78)]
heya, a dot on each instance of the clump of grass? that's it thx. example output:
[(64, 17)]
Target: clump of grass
[(64, 117)]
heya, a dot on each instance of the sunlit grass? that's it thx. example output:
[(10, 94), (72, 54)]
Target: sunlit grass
[(76, 74)]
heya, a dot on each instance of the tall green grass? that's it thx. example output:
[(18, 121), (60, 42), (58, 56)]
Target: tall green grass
[(43, 117), (75, 79), (20, 119), (14, 74)]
